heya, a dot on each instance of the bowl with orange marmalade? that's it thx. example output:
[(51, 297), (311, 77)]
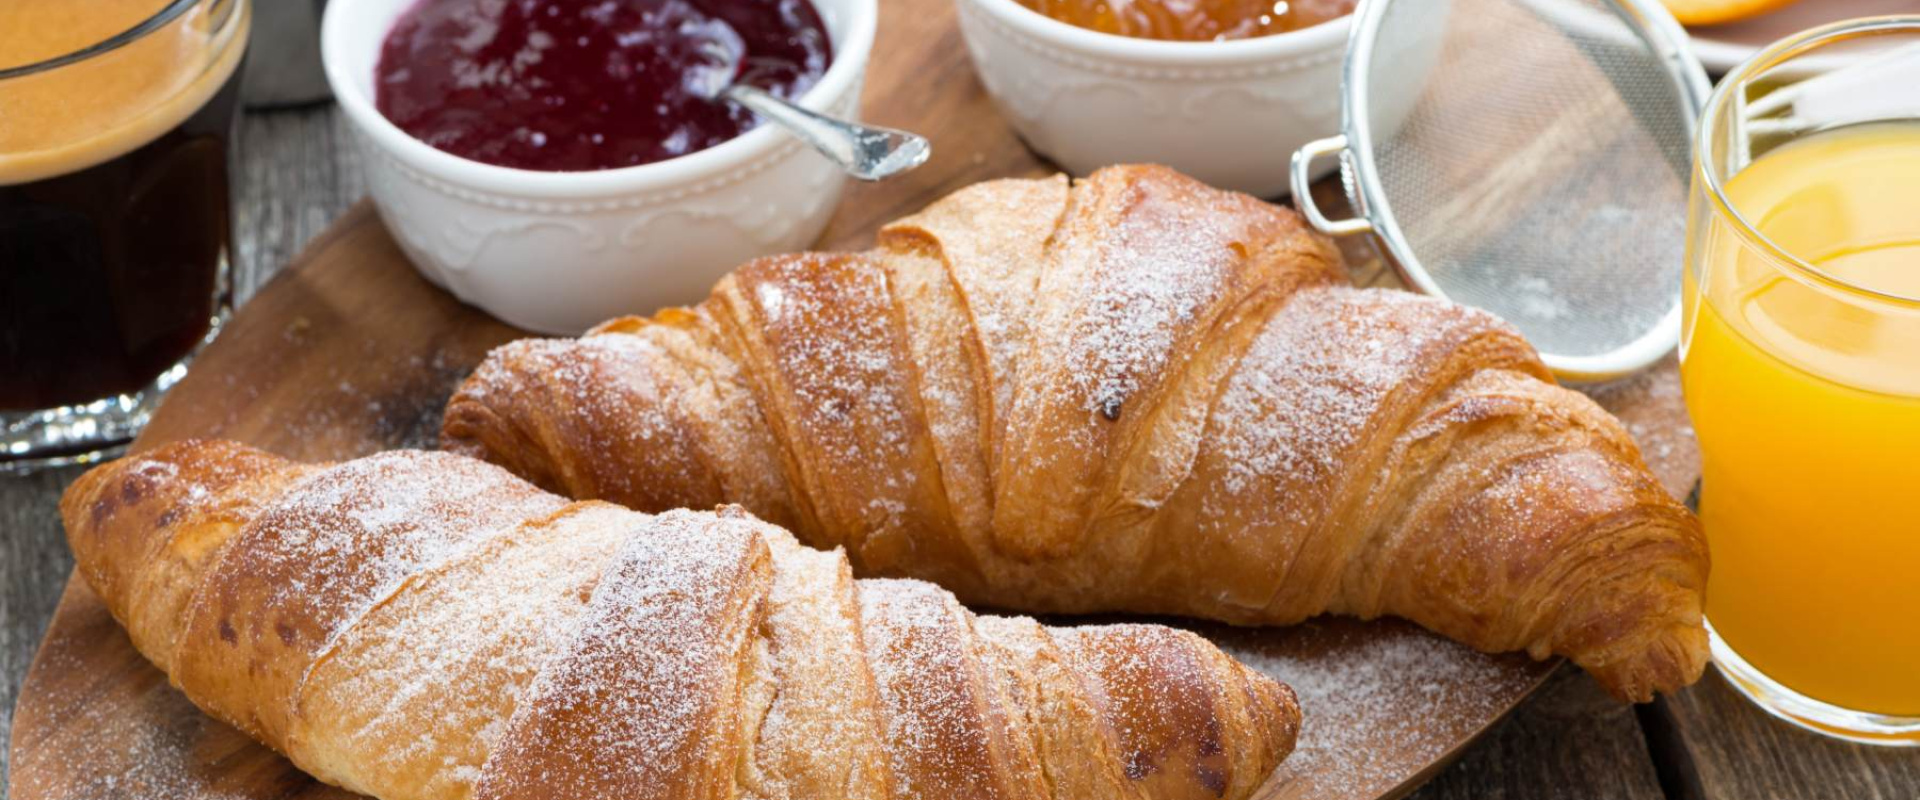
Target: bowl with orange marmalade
[(1220, 89)]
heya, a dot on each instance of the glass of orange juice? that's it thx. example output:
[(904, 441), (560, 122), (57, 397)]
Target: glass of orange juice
[(1800, 358)]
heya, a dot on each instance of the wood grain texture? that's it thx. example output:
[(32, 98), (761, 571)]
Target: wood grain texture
[(1568, 742), (349, 352), (300, 174), (1725, 748), (34, 564)]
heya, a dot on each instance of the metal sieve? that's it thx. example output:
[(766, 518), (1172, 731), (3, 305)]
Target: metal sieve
[(1528, 157)]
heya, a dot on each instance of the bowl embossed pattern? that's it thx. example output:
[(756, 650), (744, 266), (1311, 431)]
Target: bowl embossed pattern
[(558, 252)]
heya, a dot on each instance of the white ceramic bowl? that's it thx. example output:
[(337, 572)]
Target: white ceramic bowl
[(1229, 113), (559, 252)]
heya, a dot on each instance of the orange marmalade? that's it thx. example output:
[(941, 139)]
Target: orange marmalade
[(1193, 20)]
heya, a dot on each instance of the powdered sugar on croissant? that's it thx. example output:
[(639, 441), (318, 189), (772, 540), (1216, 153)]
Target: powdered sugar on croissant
[(423, 626), (1131, 393)]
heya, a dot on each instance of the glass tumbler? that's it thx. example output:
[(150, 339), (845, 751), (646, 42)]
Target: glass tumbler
[(1800, 359), (115, 219)]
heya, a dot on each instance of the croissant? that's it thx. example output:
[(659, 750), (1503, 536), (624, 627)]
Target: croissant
[(1130, 393), (423, 625)]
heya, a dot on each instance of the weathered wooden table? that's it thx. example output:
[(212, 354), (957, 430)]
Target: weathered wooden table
[(1569, 741)]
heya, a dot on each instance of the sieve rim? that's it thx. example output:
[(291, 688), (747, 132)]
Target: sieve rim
[(1665, 40), (1769, 57)]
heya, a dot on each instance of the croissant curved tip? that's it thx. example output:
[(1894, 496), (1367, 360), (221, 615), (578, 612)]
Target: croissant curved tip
[(1277, 710), (495, 414), (1673, 661)]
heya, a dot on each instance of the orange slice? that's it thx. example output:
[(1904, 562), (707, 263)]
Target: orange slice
[(1715, 12)]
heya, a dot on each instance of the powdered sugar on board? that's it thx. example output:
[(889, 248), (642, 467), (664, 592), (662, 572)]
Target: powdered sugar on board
[(1382, 700), (98, 723), (356, 393)]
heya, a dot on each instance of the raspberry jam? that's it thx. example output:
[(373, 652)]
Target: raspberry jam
[(576, 85)]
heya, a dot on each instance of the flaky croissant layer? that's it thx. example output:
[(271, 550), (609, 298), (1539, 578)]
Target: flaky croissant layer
[(1130, 393), (423, 626)]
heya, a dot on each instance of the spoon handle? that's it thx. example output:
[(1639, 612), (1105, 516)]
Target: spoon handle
[(866, 152)]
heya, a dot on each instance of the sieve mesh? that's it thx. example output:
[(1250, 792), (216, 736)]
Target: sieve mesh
[(1541, 171)]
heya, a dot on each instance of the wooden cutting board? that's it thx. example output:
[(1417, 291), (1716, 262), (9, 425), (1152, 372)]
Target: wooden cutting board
[(348, 352)]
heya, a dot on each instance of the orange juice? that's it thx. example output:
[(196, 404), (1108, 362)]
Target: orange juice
[(1806, 398)]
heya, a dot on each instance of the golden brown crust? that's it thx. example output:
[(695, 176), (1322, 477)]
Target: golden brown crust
[(1134, 393), (646, 693), (135, 543), (423, 626), (1145, 272)]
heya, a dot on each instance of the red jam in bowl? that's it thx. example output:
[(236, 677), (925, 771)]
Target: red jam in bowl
[(577, 85)]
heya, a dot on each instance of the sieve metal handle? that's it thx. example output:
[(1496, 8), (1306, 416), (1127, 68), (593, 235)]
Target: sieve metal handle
[(1303, 188)]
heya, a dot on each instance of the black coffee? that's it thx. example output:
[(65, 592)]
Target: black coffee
[(112, 274)]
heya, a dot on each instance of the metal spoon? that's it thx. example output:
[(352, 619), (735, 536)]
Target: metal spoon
[(867, 152)]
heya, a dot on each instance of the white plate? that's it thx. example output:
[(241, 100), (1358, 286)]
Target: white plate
[(1723, 47)]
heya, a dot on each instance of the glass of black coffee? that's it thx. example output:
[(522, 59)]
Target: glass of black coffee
[(116, 125)]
